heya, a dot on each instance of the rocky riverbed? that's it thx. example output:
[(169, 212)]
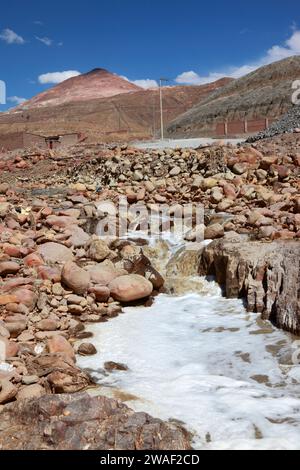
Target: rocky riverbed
[(57, 275)]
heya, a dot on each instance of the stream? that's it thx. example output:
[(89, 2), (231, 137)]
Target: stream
[(199, 359)]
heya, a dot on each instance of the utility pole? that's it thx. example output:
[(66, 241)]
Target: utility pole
[(161, 80)]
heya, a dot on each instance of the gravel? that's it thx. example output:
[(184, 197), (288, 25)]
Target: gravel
[(287, 124)]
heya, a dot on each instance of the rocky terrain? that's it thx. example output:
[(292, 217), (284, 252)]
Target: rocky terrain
[(290, 122), (57, 276), (266, 92), (79, 422)]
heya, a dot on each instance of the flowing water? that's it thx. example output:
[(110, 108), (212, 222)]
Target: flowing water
[(200, 359)]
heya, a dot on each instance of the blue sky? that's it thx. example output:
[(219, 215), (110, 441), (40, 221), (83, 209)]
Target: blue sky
[(188, 41)]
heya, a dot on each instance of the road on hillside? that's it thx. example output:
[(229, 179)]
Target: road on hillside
[(182, 143)]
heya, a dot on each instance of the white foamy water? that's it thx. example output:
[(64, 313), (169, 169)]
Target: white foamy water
[(201, 359), (205, 361)]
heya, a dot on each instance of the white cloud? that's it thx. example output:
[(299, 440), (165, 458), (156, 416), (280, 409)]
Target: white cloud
[(10, 37), (38, 22), (57, 77), (290, 48), (16, 100), (47, 41), (145, 83)]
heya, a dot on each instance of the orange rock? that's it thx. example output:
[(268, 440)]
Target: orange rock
[(59, 344), (50, 274), (8, 299), (33, 260)]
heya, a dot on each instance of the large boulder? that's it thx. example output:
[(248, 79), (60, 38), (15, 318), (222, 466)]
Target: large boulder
[(55, 253), (267, 274), (104, 273), (59, 345), (75, 278), (9, 267), (97, 250), (129, 288), (80, 422)]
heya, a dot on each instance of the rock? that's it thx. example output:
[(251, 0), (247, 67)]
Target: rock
[(17, 308), (217, 195), (266, 232), (214, 231), (240, 168), (12, 348), (31, 391), (16, 328), (141, 194), (4, 187), (55, 253), (76, 299), (9, 267), (114, 366), (78, 237), (175, 171), (47, 325), (138, 176), (97, 250), (75, 278), (57, 289), (224, 205), (33, 260), (209, 183), (267, 274), (26, 337), (8, 299), (59, 344), (149, 187), (160, 199), (71, 213), (197, 182), (154, 277), (8, 391), (283, 235), (75, 309), (102, 293), (104, 273), (81, 422), (229, 191), (30, 379), (26, 297), (4, 209), (131, 196), (61, 221), (87, 349), (14, 251), (130, 288), (50, 274)]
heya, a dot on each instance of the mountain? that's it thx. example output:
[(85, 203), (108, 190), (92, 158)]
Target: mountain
[(99, 83), (266, 92), (126, 116)]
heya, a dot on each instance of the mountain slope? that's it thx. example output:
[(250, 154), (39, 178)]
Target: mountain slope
[(124, 116), (99, 83), (265, 92)]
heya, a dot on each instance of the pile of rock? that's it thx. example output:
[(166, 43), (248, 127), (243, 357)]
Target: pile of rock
[(258, 188), (54, 278), (80, 422), (290, 122)]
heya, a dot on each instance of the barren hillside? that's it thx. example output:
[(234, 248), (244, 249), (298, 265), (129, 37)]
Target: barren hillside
[(265, 92), (127, 115)]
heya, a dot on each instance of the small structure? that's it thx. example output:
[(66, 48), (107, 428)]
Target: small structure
[(21, 140)]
